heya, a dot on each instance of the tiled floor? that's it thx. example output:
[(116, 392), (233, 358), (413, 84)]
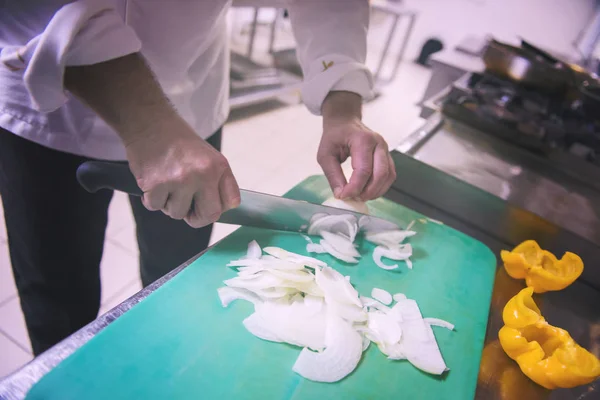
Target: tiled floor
[(268, 152)]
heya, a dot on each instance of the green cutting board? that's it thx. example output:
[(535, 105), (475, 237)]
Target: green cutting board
[(179, 343)]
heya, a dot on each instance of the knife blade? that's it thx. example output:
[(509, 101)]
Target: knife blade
[(259, 210)]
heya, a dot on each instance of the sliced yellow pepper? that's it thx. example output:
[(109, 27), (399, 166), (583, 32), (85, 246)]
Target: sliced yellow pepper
[(541, 269), (546, 354)]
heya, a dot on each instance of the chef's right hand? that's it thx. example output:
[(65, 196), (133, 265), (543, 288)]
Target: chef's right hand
[(181, 174)]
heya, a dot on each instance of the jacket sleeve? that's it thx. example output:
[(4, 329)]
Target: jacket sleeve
[(331, 38), (83, 32)]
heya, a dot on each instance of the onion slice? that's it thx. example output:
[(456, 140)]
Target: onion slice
[(229, 294), (344, 347), (340, 243), (350, 205), (399, 297), (336, 288), (315, 248), (378, 253), (340, 256), (345, 223), (439, 322), (254, 251), (293, 257), (389, 238), (383, 296), (418, 341)]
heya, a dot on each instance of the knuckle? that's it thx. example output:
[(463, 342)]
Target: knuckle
[(194, 222), (364, 171)]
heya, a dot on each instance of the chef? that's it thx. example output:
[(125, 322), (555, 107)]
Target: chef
[(147, 82)]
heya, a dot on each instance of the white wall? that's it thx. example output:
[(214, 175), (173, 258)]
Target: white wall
[(553, 24)]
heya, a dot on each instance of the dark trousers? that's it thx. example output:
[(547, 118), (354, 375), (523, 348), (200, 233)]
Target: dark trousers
[(56, 237)]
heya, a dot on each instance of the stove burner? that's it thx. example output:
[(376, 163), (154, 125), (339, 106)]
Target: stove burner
[(531, 119)]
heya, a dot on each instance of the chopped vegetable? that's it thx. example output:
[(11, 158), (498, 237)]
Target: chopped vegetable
[(382, 296), (346, 224), (440, 323), (254, 251), (389, 239), (301, 301), (344, 347), (229, 294), (546, 354), (399, 296), (541, 269), (334, 252), (350, 205)]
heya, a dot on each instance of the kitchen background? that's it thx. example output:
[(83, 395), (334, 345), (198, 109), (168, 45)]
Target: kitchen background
[(285, 136)]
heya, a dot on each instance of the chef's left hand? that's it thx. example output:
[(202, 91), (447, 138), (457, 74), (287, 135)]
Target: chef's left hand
[(344, 135)]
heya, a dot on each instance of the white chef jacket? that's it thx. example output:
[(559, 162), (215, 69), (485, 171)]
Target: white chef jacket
[(186, 45)]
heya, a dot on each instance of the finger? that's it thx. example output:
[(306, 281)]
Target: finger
[(332, 167), (179, 203), (229, 191), (362, 165), (393, 175), (379, 177), (207, 206), (156, 199)]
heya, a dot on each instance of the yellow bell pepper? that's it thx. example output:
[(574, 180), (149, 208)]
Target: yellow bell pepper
[(541, 270), (546, 354)]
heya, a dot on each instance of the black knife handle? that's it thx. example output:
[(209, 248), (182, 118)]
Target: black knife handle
[(96, 175)]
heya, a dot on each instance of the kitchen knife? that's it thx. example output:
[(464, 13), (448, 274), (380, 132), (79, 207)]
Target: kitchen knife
[(256, 209)]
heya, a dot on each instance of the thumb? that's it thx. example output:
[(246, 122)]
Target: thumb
[(333, 171)]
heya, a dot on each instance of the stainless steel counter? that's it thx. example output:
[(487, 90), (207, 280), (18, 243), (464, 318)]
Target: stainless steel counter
[(501, 196)]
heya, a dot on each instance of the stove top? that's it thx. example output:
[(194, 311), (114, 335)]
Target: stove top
[(541, 123)]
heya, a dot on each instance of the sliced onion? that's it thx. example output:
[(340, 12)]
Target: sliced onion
[(315, 248), (399, 297), (257, 326), (340, 357), (294, 276), (409, 263), (274, 292), (262, 282), (254, 251), (336, 288), (313, 303), (349, 312), (392, 351), (366, 342), (372, 303), (395, 313), (340, 256), (267, 263), (378, 253), (340, 243), (294, 323), (382, 296), (435, 221), (293, 257), (410, 225), (249, 272), (385, 327), (350, 205), (367, 301), (440, 323), (229, 294), (345, 223), (418, 341), (389, 238)]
